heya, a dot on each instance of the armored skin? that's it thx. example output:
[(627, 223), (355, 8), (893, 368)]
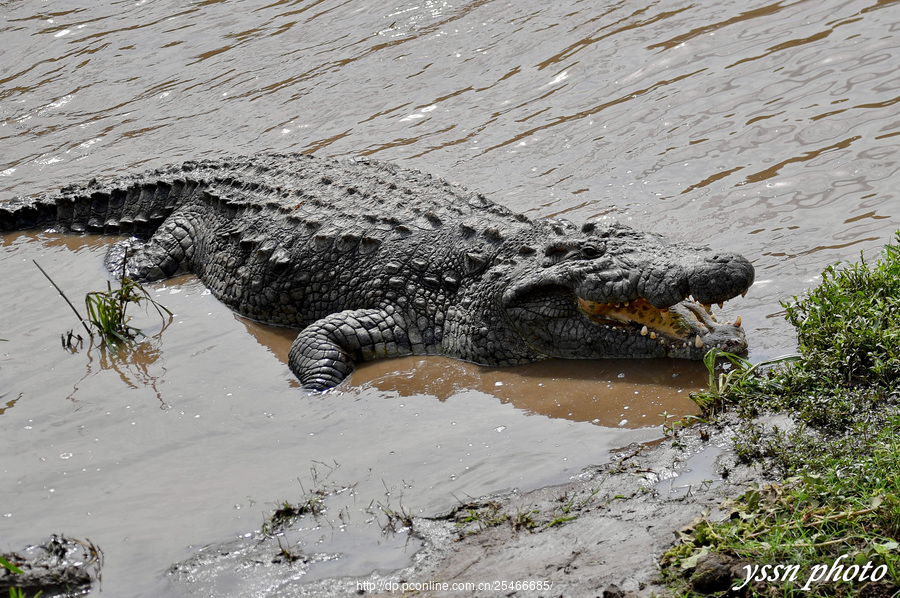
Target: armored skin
[(372, 260)]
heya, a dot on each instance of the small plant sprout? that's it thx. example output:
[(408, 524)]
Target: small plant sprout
[(739, 374)]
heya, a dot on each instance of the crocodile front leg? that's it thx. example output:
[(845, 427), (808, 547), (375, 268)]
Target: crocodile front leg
[(324, 353), (170, 250)]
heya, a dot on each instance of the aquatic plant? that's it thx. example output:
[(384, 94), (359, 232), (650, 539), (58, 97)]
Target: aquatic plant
[(107, 310)]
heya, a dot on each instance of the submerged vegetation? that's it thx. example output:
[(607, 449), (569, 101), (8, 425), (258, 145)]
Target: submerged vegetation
[(476, 516), (831, 525)]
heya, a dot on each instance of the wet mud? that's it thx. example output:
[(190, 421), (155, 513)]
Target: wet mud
[(600, 534)]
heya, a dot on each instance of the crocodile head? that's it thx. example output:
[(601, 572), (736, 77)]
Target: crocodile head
[(614, 292)]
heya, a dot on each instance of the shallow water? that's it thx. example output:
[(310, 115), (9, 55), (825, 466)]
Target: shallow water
[(768, 128)]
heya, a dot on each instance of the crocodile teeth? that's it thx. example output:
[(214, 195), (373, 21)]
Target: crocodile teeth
[(737, 321), (653, 335), (720, 304), (707, 307), (698, 342), (644, 331), (744, 294)]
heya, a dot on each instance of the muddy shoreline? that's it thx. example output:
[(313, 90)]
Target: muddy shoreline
[(600, 534)]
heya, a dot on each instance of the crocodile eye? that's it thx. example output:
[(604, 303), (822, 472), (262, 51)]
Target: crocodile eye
[(591, 251)]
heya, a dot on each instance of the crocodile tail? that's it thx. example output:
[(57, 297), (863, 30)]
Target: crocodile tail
[(125, 206)]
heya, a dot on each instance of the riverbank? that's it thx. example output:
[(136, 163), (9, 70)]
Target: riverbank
[(602, 532)]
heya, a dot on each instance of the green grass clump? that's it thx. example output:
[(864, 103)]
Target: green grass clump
[(849, 326), (107, 310), (850, 511), (842, 389), (837, 454)]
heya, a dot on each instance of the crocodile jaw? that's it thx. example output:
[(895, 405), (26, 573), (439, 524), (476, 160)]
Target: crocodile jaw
[(687, 329)]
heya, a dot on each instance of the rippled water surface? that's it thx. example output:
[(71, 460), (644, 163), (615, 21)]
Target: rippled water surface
[(768, 128)]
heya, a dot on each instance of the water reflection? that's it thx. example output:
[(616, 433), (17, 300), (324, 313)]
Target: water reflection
[(608, 393), (139, 364), (10, 403), (611, 393)]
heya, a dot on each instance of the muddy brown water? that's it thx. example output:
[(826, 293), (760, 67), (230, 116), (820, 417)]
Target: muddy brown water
[(768, 128)]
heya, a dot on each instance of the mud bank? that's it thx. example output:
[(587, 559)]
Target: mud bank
[(599, 535), (58, 567)]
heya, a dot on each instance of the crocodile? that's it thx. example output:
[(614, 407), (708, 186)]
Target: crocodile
[(371, 260)]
